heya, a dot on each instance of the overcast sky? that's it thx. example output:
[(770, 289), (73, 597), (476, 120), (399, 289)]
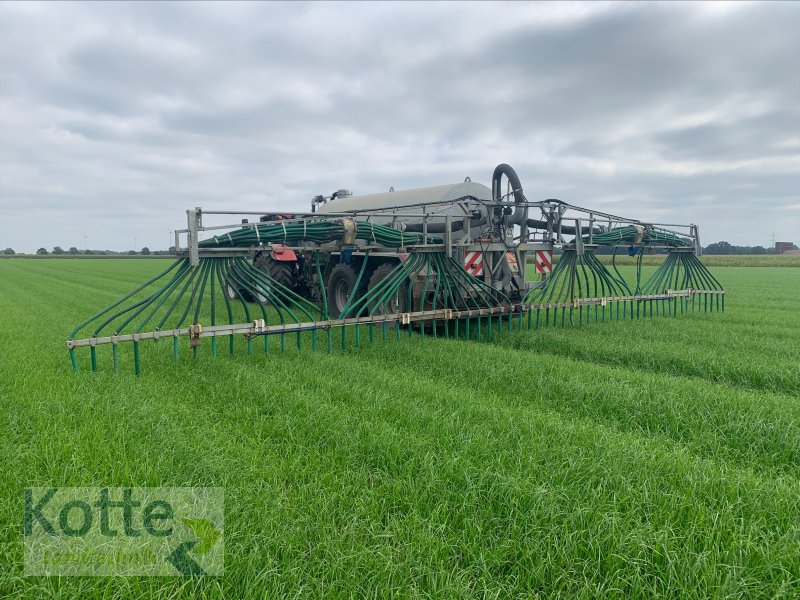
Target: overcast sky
[(115, 118)]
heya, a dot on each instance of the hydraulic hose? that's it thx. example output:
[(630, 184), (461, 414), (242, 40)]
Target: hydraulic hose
[(565, 229), (520, 212)]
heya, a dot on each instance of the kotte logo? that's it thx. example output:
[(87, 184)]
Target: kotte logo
[(123, 531)]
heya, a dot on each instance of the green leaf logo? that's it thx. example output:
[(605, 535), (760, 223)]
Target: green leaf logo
[(205, 531)]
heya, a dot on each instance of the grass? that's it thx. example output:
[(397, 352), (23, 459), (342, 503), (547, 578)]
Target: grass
[(630, 459)]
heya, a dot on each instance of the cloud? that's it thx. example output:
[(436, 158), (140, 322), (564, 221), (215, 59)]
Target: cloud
[(115, 118)]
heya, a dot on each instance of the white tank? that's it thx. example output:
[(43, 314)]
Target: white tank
[(385, 205)]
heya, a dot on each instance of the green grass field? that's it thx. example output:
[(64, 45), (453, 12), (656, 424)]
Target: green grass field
[(650, 458)]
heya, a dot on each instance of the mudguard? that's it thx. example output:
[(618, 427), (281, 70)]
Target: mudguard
[(282, 253)]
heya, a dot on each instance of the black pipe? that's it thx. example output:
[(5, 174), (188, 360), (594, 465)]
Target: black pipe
[(520, 212), (565, 229)]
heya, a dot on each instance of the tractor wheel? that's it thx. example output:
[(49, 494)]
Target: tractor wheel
[(397, 302), (281, 271), (340, 286)]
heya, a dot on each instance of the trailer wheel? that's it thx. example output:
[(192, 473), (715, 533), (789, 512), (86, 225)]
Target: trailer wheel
[(397, 302), (238, 294), (340, 286)]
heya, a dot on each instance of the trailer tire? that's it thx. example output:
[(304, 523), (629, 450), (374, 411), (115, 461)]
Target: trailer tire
[(397, 303), (341, 282), (238, 294)]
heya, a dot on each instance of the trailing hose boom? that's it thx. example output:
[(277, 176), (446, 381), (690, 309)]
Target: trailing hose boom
[(448, 260)]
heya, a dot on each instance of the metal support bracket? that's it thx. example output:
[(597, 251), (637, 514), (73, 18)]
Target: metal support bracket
[(195, 223), (195, 333)]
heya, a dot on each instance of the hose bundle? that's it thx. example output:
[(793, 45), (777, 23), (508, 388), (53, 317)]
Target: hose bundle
[(319, 232), (578, 277), (230, 296), (447, 285), (584, 284), (684, 271), (217, 291), (637, 234)]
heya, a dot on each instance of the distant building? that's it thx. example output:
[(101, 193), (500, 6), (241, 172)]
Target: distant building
[(781, 247)]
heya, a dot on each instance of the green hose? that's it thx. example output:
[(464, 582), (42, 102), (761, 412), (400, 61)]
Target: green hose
[(319, 232)]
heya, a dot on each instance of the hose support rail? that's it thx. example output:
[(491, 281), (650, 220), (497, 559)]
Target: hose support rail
[(258, 327)]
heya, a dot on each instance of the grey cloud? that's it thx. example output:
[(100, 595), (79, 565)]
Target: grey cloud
[(114, 118), (768, 135)]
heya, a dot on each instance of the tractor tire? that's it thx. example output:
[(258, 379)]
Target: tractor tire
[(398, 302), (281, 272), (340, 286)]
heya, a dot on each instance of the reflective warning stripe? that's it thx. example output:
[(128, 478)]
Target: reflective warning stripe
[(512, 262), (473, 263), (544, 261)]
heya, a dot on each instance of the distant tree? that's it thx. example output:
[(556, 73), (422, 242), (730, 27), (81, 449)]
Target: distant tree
[(726, 248), (145, 251), (131, 252), (9, 251), (73, 250), (719, 248), (87, 251), (58, 250), (42, 251)]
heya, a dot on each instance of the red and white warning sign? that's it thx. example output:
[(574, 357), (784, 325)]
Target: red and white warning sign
[(544, 261), (473, 263)]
